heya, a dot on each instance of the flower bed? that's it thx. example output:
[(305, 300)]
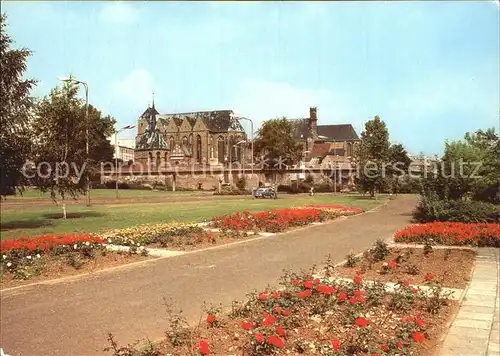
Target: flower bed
[(279, 219), (451, 267), (451, 233), (316, 316), (150, 234), (24, 258)]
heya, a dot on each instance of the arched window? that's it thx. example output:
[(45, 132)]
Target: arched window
[(198, 148), (166, 158), (184, 141), (190, 139), (150, 158), (221, 149), (158, 159), (172, 143)]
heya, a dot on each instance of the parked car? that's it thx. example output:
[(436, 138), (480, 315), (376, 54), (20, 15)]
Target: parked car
[(265, 192)]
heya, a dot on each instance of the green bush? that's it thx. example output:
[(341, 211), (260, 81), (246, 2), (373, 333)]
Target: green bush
[(433, 209)]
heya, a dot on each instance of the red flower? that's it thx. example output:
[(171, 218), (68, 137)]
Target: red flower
[(259, 338), (406, 283), (307, 284), (246, 325), (285, 313), (304, 294), (418, 336), (277, 309), (358, 273), (357, 293), (353, 300), (316, 281), (202, 346), (325, 289), (336, 344), (263, 296), (392, 264), (342, 296), (384, 348), (210, 318), (399, 345), (361, 322), (358, 279), (429, 277), (276, 295), (414, 290), (295, 282), (375, 354), (268, 320), (275, 341), (420, 323), (280, 331)]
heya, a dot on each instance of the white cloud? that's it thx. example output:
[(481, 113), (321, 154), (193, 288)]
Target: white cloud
[(118, 12), (261, 100), (135, 89)]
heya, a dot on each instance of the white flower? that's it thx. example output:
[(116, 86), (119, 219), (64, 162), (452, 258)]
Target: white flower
[(75, 246), (4, 257), (28, 257), (87, 243), (38, 255), (9, 264), (109, 240)]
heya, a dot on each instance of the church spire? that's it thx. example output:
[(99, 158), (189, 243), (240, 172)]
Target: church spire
[(153, 102)]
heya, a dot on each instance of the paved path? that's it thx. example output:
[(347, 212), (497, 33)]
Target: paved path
[(475, 331), (72, 318)]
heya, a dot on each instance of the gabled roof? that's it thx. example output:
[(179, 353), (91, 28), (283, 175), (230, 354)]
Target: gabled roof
[(342, 132), (215, 121), (319, 149)]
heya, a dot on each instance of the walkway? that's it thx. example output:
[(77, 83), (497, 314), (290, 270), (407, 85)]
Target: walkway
[(475, 331), (72, 318)]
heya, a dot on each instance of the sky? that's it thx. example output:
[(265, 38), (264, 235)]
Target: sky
[(430, 70)]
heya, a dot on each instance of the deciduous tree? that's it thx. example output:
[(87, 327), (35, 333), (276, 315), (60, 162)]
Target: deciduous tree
[(275, 142), (372, 156), (15, 109), (59, 127)]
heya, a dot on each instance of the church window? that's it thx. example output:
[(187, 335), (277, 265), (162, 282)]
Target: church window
[(198, 148)]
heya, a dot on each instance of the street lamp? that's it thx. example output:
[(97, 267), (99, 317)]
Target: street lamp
[(127, 127), (73, 80)]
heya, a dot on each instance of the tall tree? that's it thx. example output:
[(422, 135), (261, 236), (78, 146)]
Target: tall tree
[(373, 156), (275, 143), (399, 165), (59, 126), (15, 109)]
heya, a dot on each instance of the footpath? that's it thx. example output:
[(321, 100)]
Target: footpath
[(475, 330)]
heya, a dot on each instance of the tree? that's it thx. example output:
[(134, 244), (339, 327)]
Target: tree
[(372, 156), (275, 143), (59, 126), (15, 109), (399, 164), (472, 167)]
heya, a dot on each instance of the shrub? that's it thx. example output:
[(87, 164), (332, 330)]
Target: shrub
[(432, 209)]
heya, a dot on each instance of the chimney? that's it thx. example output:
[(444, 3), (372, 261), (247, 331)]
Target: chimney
[(313, 122)]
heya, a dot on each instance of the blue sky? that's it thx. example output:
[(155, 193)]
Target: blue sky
[(430, 70)]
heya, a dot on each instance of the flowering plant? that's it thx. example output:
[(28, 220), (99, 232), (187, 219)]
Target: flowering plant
[(452, 233), (146, 234)]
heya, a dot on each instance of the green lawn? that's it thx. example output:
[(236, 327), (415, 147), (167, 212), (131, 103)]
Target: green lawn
[(32, 194), (32, 220)]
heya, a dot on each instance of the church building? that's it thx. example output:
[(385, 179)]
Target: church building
[(193, 138)]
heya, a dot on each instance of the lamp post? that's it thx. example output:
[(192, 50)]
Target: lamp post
[(86, 86), (127, 127)]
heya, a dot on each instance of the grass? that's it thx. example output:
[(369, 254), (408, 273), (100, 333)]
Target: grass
[(32, 220), (31, 194)]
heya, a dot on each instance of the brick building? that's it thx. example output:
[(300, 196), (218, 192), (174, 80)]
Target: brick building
[(194, 138), (325, 144)]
